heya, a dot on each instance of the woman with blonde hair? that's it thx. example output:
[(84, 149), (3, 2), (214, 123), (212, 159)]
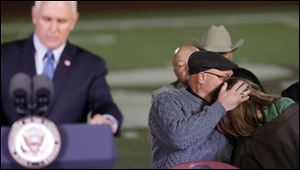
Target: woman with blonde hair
[(266, 128)]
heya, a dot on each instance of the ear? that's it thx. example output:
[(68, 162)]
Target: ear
[(74, 20), (202, 77)]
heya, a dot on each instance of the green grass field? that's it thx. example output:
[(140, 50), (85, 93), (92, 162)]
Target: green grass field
[(271, 35), (134, 153)]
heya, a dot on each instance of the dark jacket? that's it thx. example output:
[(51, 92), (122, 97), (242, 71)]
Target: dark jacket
[(274, 145), (292, 92), (78, 88)]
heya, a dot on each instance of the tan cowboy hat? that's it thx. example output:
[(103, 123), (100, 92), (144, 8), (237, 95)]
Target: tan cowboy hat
[(217, 39)]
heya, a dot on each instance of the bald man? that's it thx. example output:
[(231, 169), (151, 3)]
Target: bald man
[(180, 68)]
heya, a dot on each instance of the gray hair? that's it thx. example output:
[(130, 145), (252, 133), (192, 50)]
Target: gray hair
[(37, 4)]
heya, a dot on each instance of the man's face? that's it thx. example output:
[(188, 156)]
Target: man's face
[(180, 62), (53, 21), (180, 69), (214, 78), (228, 55)]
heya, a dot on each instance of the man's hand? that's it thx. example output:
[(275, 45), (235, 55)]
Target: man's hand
[(99, 119), (230, 99)]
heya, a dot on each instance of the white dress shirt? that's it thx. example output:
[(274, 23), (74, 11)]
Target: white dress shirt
[(40, 51)]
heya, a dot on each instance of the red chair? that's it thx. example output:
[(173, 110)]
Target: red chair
[(204, 165)]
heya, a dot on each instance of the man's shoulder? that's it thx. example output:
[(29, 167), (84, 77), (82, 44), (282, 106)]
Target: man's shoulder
[(162, 89), (12, 50), (14, 43), (168, 93)]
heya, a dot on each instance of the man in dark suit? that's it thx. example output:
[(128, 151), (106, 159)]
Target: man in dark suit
[(79, 80)]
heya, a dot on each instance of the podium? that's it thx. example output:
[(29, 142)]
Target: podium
[(83, 146)]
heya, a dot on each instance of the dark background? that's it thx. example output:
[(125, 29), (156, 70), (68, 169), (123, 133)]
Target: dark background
[(11, 9)]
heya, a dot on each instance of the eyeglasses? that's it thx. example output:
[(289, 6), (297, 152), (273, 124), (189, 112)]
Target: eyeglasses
[(219, 76)]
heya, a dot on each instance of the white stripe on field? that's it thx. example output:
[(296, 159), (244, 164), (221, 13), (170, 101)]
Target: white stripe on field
[(172, 22), (165, 75), (179, 22)]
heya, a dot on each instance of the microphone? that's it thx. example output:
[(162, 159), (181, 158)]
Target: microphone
[(42, 93), (20, 92)]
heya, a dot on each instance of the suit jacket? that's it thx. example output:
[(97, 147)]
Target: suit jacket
[(78, 88)]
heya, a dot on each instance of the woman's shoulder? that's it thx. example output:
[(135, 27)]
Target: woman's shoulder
[(282, 103), (278, 107)]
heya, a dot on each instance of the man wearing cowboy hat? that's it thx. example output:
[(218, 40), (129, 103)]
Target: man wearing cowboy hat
[(217, 39)]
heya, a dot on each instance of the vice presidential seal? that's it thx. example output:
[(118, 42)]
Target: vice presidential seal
[(34, 142)]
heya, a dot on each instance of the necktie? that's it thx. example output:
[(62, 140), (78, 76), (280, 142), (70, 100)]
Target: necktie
[(49, 64)]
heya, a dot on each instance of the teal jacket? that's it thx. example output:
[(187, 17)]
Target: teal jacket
[(277, 108)]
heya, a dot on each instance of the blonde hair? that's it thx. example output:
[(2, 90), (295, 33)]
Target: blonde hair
[(243, 120), (37, 4)]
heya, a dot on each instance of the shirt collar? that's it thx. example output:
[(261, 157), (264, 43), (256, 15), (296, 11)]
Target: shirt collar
[(189, 89), (41, 49)]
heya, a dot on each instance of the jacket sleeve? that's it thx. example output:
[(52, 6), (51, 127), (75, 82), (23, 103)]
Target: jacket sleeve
[(100, 98)]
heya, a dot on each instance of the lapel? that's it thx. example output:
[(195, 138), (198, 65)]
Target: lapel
[(62, 73), (27, 57)]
